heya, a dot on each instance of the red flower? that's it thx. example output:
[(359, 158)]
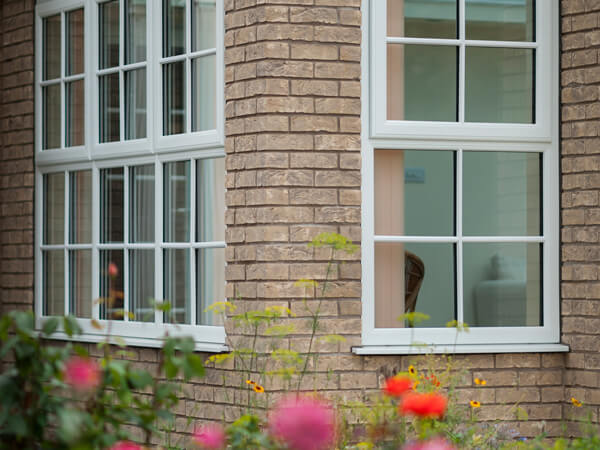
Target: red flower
[(433, 380), (428, 405), (397, 386), (303, 423), (434, 444), (82, 374), (113, 270)]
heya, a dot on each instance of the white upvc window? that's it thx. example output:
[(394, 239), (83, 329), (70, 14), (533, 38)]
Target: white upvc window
[(130, 166), (460, 175)]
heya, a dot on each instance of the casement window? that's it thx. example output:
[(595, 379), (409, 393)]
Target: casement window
[(460, 175), (130, 166)]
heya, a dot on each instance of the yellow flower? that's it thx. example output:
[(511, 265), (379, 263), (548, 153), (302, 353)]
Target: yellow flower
[(250, 382), (412, 370), (576, 402), (474, 404), (480, 382), (258, 388)]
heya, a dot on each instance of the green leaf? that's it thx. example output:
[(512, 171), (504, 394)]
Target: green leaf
[(71, 326), (193, 366), (140, 379), (50, 326)]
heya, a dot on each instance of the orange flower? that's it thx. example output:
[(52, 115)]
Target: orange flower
[(474, 404), (427, 405), (258, 388), (250, 382), (412, 370), (397, 386), (480, 382), (576, 402), (433, 380)]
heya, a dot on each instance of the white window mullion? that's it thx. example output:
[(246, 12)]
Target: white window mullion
[(459, 235), (67, 294), (193, 234), (63, 99), (158, 238), (121, 71), (188, 66), (95, 240), (461, 61), (126, 260)]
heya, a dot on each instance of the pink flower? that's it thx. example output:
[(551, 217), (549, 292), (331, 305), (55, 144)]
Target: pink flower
[(210, 436), (113, 270), (432, 444), (125, 445), (82, 374), (303, 423)]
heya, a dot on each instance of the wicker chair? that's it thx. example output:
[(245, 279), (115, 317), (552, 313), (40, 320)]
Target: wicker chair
[(414, 272)]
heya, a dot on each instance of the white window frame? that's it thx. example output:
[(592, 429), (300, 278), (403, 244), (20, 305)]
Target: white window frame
[(541, 137), (154, 149)]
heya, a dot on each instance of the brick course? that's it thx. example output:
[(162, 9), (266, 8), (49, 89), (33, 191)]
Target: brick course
[(16, 154)]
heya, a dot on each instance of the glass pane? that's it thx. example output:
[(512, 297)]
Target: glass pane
[(416, 18), (75, 112), (502, 194), (500, 21), (177, 285), (51, 55), (414, 277), (54, 208), (54, 283), (80, 222), (204, 93), (173, 27), (210, 283), (204, 21), (502, 284), (111, 205), (80, 280), (210, 200), (499, 85), (135, 31), (74, 42), (109, 34), (174, 98), (135, 104), (141, 210), (177, 201), (141, 282), (109, 108), (422, 82), (51, 111), (111, 287), (407, 180)]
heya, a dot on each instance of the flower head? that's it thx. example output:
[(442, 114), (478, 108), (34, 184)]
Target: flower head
[(303, 423), (113, 270), (397, 386), (430, 405), (82, 374), (432, 444), (258, 388), (210, 437), (125, 445), (250, 382), (412, 370), (434, 380), (474, 404), (576, 402), (480, 382)]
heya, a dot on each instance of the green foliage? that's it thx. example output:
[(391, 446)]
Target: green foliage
[(34, 398), (247, 433)]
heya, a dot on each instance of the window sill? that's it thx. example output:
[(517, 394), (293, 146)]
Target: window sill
[(207, 347), (452, 349)]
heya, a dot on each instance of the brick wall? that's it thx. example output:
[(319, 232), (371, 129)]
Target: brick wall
[(580, 161), (16, 153)]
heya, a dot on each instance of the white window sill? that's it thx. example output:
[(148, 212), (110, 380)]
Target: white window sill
[(453, 349), (207, 347)]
